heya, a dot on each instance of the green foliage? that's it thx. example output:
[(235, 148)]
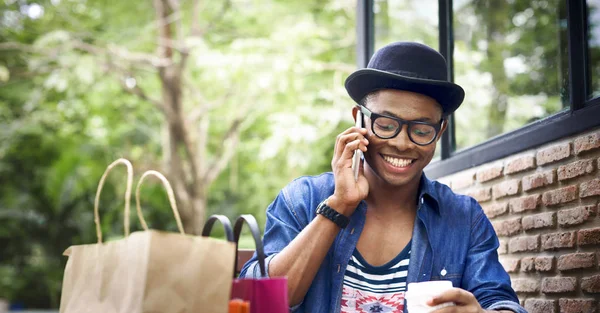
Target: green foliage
[(511, 58), (64, 117)]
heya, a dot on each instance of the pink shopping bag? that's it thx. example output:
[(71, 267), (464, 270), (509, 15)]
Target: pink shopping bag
[(266, 295)]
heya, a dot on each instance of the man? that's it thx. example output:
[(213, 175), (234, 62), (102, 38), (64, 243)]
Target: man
[(350, 245)]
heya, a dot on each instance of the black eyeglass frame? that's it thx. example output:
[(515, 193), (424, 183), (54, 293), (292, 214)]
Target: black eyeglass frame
[(374, 116)]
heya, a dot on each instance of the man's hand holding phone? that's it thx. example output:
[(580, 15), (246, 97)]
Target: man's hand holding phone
[(351, 186)]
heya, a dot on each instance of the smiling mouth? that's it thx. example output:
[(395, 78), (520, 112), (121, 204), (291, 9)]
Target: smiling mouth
[(398, 162)]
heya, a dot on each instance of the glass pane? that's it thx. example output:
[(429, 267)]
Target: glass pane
[(511, 59), (438, 151), (406, 20), (593, 9)]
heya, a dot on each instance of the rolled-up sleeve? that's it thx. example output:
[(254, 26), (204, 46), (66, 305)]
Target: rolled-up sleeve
[(282, 226), (484, 275)]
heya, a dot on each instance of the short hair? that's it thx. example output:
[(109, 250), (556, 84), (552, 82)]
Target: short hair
[(373, 94), (369, 97)]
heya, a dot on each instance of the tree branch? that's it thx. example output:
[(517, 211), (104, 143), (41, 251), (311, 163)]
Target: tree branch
[(172, 164), (112, 50), (202, 140), (138, 91), (195, 28), (204, 106), (225, 151), (123, 54), (228, 144), (164, 29), (7, 46)]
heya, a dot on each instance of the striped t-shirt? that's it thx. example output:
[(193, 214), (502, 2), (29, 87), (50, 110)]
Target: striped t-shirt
[(378, 289)]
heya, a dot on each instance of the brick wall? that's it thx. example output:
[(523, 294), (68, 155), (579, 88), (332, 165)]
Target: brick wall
[(544, 206)]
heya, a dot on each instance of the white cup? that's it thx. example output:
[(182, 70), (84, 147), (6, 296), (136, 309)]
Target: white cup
[(417, 295)]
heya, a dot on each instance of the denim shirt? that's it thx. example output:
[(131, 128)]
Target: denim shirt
[(452, 240)]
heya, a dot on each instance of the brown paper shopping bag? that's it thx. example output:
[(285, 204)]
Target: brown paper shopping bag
[(148, 271)]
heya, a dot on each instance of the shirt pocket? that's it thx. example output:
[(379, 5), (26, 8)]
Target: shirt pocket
[(452, 272)]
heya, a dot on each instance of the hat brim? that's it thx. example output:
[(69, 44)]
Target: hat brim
[(364, 81)]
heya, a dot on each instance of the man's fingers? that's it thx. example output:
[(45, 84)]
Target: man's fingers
[(347, 137), (456, 295), (351, 147), (449, 308)]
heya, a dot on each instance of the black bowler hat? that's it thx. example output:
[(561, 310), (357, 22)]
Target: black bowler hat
[(407, 66)]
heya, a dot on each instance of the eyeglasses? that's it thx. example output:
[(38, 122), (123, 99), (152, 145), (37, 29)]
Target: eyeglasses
[(387, 127)]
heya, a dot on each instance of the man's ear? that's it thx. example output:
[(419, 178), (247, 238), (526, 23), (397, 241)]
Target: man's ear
[(444, 126), (354, 113)]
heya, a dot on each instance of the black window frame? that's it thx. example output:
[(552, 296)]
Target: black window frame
[(582, 115)]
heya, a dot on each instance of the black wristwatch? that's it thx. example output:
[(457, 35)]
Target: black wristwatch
[(339, 219)]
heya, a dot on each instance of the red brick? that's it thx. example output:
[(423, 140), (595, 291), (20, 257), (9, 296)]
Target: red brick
[(558, 196), (576, 216), (558, 284), (503, 247), (489, 173), (463, 180), (576, 260), (526, 203), (558, 240), (577, 305), (525, 285), (553, 154), (591, 284), (528, 264), (589, 236), (508, 227), (507, 188), (587, 142), (540, 306), (538, 180), (510, 265), (575, 169), (539, 221), (481, 195), (591, 188), (520, 164), (495, 209), (524, 243), (544, 263)]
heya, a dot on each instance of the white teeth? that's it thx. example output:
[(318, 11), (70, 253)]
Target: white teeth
[(398, 162)]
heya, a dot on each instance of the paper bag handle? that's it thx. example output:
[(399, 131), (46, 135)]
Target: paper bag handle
[(170, 194), (127, 196), (260, 251), (224, 221)]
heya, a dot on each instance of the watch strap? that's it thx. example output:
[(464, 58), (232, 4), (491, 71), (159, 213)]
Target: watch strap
[(339, 219)]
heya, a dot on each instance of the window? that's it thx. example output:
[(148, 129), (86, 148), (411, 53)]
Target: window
[(593, 40), (406, 20), (530, 69), (511, 59)]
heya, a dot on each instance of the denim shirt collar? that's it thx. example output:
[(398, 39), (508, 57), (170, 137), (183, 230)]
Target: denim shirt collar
[(428, 193)]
